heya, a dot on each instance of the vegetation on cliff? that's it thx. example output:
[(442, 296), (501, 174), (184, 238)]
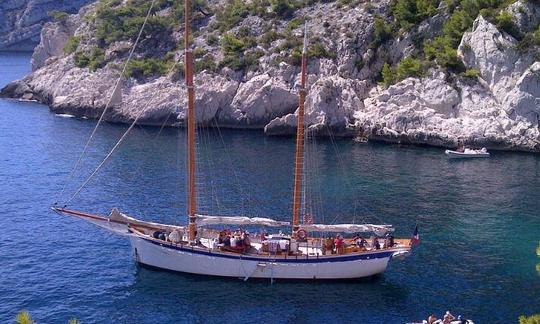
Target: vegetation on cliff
[(441, 51), (227, 41), (239, 48)]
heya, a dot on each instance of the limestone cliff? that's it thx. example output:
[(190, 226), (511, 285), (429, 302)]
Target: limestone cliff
[(487, 92)]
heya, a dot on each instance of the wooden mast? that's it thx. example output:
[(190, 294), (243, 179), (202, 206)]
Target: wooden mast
[(299, 158), (188, 57)]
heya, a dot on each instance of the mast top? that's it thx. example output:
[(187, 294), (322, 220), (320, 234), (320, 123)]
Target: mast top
[(304, 49)]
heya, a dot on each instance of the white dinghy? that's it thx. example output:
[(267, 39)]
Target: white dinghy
[(467, 153)]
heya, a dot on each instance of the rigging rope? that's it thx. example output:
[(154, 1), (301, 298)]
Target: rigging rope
[(137, 171), (70, 175), (231, 165), (348, 180), (119, 141)]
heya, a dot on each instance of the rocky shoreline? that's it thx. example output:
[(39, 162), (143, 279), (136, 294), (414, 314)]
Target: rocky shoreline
[(498, 109)]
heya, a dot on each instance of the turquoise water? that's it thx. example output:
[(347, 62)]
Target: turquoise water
[(479, 225)]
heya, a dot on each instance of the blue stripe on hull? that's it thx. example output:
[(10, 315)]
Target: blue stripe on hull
[(379, 255)]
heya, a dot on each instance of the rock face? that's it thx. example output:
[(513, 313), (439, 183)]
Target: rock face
[(430, 111), (509, 74), (257, 101), (499, 110), (21, 20)]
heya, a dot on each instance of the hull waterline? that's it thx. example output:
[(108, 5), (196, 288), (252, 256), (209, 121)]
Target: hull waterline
[(207, 262)]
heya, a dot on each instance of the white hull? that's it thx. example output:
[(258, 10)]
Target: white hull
[(461, 155), (216, 263)]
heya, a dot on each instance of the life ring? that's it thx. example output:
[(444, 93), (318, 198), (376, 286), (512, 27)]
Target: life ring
[(301, 235)]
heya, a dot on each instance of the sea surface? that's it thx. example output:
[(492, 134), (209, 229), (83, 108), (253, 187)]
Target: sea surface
[(479, 224)]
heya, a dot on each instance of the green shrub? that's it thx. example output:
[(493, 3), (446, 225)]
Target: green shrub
[(426, 8), (442, 50), (409, 67), (388, 75), (252, 59), (283, 8), (505, 21), (382, 31), (410, 12), (344, 3), (456, 25), (81, 60), (235, 62), (359, 63), (97, 59), (206, 63), (471, 73), (199, 52), (230, 44), (294, 23), (123, 22), (489, 13), (233, 12), (94, 60), (212, 39), (143, 68), (59, 16), (242, 62), (269, 37), (404, 12), (24, 317), (527, 42), (259, 7), (71, 45), (295, 57), (179, 70), (533, 319), (317, 50), (536, 36)]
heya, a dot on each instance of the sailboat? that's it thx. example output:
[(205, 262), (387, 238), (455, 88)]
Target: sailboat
[(199, 248)]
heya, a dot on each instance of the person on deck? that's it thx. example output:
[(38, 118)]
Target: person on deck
[(338, 242), (375, 245), (364, 243), (360, 242), (432, 319), (239, 235), (221, 237), (328, 246), (247, 241), (389, 240), (227, 239), (448, 318)]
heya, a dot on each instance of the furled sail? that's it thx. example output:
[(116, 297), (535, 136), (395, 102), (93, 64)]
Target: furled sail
[(239, 220), (119, 217), (348, 228)]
